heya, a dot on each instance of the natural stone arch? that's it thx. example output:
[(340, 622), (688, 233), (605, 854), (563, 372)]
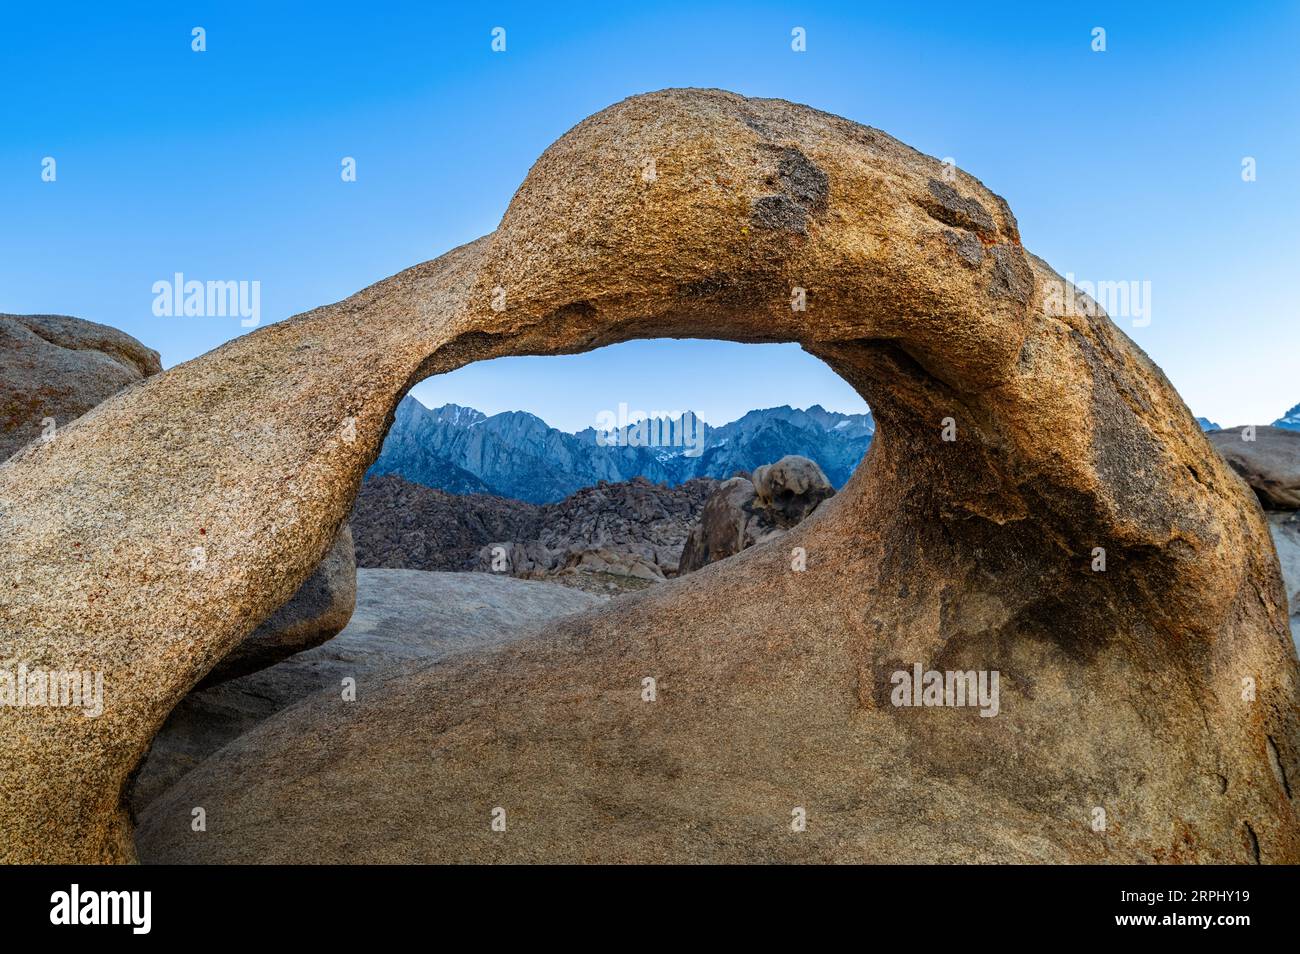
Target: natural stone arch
[(695, 213)]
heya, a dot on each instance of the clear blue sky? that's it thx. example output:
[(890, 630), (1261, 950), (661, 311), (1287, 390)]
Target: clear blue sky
[(1121, 166)]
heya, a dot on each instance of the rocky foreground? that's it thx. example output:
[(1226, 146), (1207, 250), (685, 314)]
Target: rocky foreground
[(607, 537), (403, 619), (1038, 502)]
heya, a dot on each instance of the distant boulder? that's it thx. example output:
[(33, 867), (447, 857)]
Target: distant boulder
[(743, 512), (1270, 463), (56, 368), (790, 489)]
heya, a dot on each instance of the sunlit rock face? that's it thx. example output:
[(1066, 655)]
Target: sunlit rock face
[(55, 368), (1037, 502)]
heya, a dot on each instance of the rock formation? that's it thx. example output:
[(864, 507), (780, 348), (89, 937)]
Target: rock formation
[(317, 612), (628, 530), (1270, 465), (1269, 462), (728, 524), (743, 512), (1037, 501), (54, 368), (790, 489), (403, 618)]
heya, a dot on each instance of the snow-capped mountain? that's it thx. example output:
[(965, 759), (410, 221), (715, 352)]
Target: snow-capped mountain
[(1290, 420), (516, 454)]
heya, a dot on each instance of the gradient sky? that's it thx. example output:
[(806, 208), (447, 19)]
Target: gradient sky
[(224, 165)]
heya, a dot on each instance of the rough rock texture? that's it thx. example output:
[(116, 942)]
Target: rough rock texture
[(1270, 463), (634, 529), (54, 366), (58, 367), (1120, 689), (400, 525), (728, 524), (790, 489), (317, 612), (745, 511), (402, 617)]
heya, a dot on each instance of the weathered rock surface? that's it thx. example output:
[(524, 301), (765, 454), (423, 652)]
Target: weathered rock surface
[(1120, 689), (743, 512), (1270, 463), (728, 524), (790, 489), (317, 612), (631, 530), (402, 618), (57, 367)]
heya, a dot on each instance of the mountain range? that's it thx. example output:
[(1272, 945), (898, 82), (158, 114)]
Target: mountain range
[(1289, 421), (516, 454)]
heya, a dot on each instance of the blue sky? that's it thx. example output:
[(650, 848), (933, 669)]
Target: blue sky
[(224, 165)]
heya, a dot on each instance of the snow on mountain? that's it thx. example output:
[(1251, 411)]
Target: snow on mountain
[(517, 454), (1290, 420)]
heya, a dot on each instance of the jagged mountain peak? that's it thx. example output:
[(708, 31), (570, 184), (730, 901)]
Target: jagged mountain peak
[(517, 454), (1290, 420)]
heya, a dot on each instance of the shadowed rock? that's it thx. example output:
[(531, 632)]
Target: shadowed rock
[(1121, 689), (1269, 462), (317, 612)]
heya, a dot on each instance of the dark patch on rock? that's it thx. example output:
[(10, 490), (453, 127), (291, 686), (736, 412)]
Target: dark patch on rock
[(967, 246), (779, 213), (1011, 275), (951, 208), (803, 187)]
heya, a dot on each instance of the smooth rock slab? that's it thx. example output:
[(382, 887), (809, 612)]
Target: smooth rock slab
[(402, 617)]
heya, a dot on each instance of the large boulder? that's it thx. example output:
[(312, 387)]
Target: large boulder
[(728, 524), (1037, 503), (790, 490), (1269, 460), (54, 368), (743, 512), (403, 618)]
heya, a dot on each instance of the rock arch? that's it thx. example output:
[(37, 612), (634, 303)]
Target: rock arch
[(154, 532)]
